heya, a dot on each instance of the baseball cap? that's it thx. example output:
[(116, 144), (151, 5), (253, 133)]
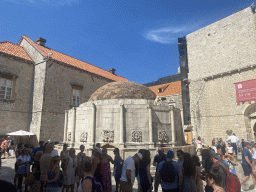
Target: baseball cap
[(213, 154), (170, 153), (139, 155)]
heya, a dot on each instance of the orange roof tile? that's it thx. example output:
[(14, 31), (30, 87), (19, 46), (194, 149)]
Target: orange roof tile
[(13, 49), (172, 88), (75, 62)]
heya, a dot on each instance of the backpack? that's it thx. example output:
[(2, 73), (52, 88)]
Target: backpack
[(118, 173), (167, 172), (232, 181), (60, 179), (96, 185)]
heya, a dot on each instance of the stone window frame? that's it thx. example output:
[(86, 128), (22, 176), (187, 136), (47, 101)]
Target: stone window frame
[(13, 78), (78, 89)]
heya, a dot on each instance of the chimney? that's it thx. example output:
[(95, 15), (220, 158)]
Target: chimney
[(112, 70), (40, 41)]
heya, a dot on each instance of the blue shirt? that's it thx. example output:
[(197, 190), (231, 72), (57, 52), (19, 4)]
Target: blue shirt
[(36, 150), (175, 184), (247, 153), (231, 167)]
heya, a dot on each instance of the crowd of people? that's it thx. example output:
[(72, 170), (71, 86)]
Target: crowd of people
[(212, 169)]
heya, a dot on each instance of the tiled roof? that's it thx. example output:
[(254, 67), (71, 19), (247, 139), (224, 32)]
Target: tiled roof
[(75, 62), (13, 49), (172, 88)]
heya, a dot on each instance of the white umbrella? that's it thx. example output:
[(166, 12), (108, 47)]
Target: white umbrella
[(20, 133)]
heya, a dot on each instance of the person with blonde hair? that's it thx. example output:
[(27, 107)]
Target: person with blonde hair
[(71, 168), (52, 176), (37, 172)]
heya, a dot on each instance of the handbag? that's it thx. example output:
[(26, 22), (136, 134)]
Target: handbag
[(30, 178)]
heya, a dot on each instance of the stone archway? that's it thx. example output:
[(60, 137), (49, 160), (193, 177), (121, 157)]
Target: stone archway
[(250, 121)]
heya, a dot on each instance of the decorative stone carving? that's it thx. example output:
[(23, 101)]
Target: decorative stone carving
[(162, 136), (83, 137), (108, 136), (69, 136), (137, 136)]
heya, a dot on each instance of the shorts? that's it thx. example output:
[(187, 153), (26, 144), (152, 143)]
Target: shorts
[(247, 169)]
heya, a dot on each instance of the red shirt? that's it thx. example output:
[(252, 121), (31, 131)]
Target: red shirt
[(4, 144), (213, 142)]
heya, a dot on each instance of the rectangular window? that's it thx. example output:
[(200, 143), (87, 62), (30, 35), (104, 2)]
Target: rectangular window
[(6, 87), (76, 97)]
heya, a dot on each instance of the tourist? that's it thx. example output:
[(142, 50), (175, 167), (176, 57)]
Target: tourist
[(246, 163), (106, 171), (144, 172), (234, 140), (37, 173), (23, 167), (19, 149), (41, 144), (71, 168), (242, 144), (189, 174), (214, 180), (199, 182), (89, 183), (64, 158), (158, 158), (214, 158), (230, 149), (45, 161), (137, 175), (213, 141), (4, 147), (180, 157), (96, 165), (231, 164), (52, 176), (128, 173), (222, 147), (30, 154), (54, 151), (206, 159), (7, 186), (80, 159), (215, 147), (199, 143), (9, 143), (117, 161), (202, 142), (193, 141), (162, 171)]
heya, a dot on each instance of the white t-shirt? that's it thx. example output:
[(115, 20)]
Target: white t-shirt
[(254, 153), (128, 164), (23, 159), (233, 139), (54, 153), (230, 149)]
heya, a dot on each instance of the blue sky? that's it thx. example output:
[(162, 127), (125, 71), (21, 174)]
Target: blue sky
[(136, 37)]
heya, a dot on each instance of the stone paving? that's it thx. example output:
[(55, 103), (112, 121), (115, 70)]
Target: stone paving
[(7, 173)]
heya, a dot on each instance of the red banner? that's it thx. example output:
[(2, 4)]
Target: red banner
[(246, 91)]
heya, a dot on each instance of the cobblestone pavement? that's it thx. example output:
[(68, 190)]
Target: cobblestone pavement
[(7, 173)]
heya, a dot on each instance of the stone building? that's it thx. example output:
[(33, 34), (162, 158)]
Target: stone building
[(221, 60), (123, 114), (38, 84)]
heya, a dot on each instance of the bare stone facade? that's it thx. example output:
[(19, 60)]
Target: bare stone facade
[(220, 55), (44, 90), (15, 114)]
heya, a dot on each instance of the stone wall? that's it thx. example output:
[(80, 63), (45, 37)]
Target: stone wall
[(53, 93), (214, 109), (225, 45), (220, 55), (15, 115), (130, 122)]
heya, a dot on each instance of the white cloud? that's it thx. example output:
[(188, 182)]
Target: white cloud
[(167, 35), (44, 2), (170, 35)]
